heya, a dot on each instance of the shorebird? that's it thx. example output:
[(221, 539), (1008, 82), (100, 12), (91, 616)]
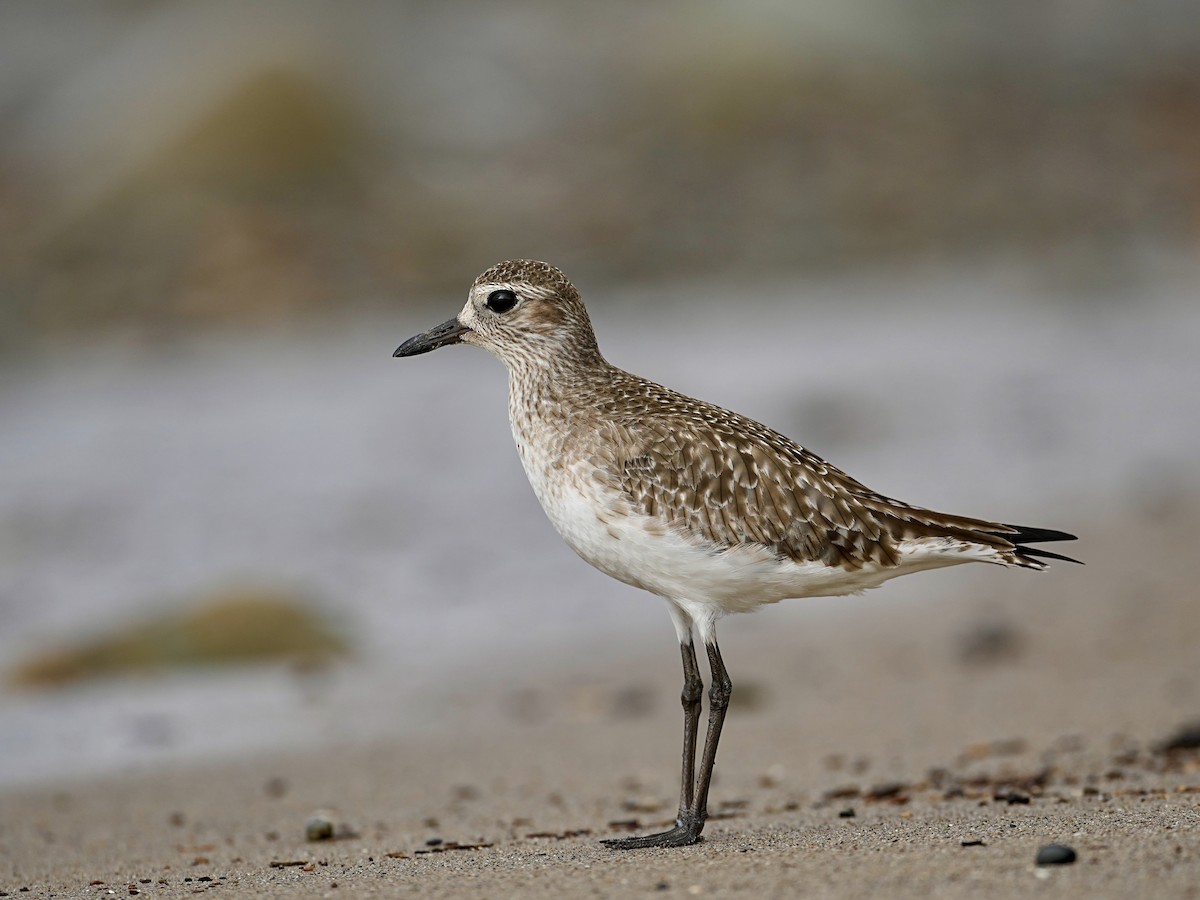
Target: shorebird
[(711, 511)]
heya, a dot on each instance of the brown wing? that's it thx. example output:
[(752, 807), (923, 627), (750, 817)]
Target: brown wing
[(731, 481)]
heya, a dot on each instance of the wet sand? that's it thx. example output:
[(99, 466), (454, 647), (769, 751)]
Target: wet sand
[(920, 748)]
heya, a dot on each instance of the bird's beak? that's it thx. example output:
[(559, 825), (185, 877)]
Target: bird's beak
[(449, 332)]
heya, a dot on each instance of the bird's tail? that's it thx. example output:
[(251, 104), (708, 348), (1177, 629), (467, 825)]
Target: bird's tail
[(1019, 536), (995, 542)]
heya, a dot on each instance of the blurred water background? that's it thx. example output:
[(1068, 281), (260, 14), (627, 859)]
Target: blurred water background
[(952, 246)]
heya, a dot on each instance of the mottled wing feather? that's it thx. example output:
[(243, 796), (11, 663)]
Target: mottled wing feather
[(730, 481)]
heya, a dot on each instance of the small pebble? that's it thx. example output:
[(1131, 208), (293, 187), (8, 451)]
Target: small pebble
[(1055, 855), (1012, 797), (847, 813), (433, 842), (319, 827)]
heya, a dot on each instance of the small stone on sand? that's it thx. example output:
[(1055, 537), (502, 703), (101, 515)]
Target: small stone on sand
[(1055, 855)]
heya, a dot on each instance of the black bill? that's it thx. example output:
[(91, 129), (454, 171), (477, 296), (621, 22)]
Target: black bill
[(450, 332)]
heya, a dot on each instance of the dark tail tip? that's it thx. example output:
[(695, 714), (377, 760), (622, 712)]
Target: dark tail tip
[(1020, 535), (1024, 535), (1045, 554)]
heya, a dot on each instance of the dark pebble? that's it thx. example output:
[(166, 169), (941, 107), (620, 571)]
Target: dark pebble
[(662, 886), (1012, 798), (973, 843), (1055, 855), (847, 813), (433, 842)]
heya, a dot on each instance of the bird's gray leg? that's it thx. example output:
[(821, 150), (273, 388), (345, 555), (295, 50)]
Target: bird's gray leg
[(693, 804), (684, 832), (719, 692), (693, 688)]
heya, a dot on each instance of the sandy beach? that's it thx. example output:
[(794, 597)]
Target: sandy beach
[(925, 748)]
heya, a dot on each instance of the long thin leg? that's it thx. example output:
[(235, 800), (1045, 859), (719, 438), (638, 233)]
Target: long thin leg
[(693, 688), (693, 814), (719, 692), (684, 832)]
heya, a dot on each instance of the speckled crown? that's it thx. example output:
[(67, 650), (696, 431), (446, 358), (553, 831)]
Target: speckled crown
[(530, 272)]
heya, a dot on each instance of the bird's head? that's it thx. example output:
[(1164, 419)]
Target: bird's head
[(525, 312)]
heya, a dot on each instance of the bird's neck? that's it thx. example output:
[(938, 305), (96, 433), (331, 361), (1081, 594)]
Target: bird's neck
[(556, 386)]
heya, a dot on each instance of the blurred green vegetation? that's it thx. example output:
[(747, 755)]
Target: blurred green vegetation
[(234, 628)]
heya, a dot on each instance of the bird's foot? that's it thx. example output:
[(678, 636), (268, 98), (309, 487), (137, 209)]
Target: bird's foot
[(685, 833)]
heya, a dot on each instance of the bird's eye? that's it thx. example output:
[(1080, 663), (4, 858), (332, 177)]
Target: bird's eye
[(501, 301)]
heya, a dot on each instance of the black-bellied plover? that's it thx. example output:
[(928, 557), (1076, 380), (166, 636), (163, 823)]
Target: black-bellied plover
[(710, 510)]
